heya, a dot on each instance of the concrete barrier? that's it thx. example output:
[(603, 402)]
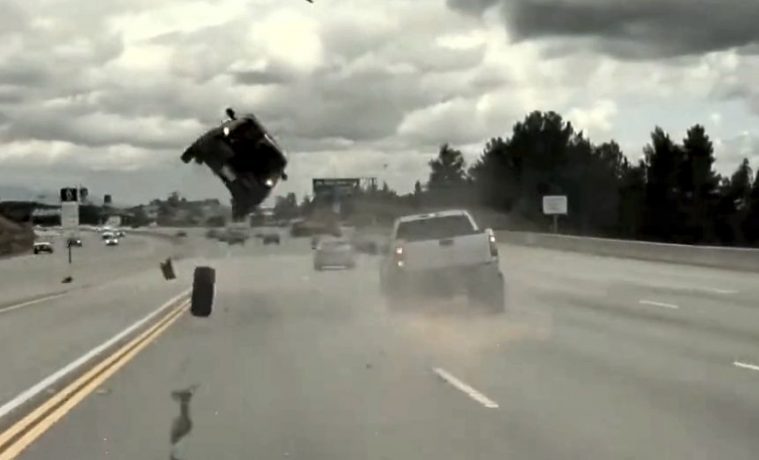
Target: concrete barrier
[(709, 256)]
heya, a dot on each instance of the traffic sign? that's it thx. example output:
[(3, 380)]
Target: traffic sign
[(69, 194), (555, 205)]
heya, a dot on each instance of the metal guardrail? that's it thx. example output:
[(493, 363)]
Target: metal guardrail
[(710, 256)]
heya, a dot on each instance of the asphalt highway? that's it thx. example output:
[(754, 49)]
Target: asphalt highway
[(32, 276), (597, 358)]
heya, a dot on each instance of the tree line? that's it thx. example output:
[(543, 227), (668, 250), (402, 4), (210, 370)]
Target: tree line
[(673, 194)]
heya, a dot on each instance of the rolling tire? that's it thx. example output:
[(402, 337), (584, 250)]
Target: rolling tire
[(201, 304)]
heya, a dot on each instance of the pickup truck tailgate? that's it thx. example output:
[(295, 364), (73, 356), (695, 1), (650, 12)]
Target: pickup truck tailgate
[(448, 252)]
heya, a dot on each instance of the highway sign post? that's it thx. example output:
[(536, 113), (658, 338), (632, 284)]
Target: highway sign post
[(555, 205), (70, 215)]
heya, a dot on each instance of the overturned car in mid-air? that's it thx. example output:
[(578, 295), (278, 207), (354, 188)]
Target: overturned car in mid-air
[(244, 156)]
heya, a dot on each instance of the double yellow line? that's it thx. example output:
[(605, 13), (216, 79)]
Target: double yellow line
[(23, 433)]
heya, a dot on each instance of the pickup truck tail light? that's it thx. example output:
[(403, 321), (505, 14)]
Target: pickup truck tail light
[(399, 256), (493, 244)]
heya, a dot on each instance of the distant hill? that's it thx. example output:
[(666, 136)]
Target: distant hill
[(14, 238), (21, 193)]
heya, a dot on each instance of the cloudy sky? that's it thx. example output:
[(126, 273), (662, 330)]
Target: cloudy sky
[(109, 93)]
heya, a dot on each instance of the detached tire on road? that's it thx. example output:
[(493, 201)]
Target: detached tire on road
[(204, 279)]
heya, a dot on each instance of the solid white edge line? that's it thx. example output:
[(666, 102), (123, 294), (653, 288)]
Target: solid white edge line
[(39, 387), (723, 291), (746, 366), (658, 304), (32, 302), (466, 389)]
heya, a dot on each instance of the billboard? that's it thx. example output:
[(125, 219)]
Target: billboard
[(335, 187)]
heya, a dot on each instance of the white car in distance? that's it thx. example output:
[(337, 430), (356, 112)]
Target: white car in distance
[(111, 240), (336, 252)]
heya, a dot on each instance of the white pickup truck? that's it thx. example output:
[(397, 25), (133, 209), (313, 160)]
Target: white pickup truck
[(440, 254)]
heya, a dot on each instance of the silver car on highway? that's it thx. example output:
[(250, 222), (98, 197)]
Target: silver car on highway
[(334, 253)]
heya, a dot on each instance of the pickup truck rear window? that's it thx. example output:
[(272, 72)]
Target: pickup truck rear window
[(435, 228)]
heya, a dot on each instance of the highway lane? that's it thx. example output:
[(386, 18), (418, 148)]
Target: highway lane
[(39, 338), (30, 276), (299, 364)]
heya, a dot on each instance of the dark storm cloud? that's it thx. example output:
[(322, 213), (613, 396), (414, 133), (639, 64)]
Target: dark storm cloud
[(23, 74), (77, 126), (369, 79), (259, 77), (631, 29)]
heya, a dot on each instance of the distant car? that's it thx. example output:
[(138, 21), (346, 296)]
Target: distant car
[(120, 234), (366, 245), (270, 238), (181, 234), (334, 253), (236, 238), (212, 233), (43, 246), (113, 241), (74, 242)]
